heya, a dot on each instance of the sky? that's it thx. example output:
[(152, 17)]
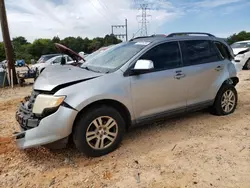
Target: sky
[(93, 18)]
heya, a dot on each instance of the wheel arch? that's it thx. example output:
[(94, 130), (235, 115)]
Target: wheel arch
[(121, 108), (233, 80), (245, 64)]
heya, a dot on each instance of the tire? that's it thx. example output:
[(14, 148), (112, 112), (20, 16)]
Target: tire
[(247, 65), (42, 70), (220, 103), (87, 122)]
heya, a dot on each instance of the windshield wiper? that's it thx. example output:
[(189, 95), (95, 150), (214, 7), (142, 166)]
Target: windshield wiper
[(87, 68)]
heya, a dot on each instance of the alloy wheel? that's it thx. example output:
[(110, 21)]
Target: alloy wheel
[(101, 132), (228, 101)]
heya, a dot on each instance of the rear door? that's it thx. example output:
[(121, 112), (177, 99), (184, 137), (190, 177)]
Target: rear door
[(203, 67)]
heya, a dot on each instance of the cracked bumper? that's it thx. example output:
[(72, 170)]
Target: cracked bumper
[(50, 129)]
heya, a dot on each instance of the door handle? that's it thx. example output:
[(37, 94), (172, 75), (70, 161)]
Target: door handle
[(218, 68), (179, 76)]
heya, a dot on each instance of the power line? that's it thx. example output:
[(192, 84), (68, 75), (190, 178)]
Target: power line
[(107, 9), (99, 11)]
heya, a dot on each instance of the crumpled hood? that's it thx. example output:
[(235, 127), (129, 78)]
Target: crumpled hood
[(238, 50), (58, 76)]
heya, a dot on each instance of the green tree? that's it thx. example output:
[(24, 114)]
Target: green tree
[(19, 40), (27, 51), (243, 35), (40, 47), (56, 39)]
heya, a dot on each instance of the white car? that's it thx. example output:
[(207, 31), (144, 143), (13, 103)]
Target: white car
[(52, 61), (242, 54)]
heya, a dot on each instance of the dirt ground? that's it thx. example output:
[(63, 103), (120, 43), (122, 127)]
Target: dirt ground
[(198, 150)]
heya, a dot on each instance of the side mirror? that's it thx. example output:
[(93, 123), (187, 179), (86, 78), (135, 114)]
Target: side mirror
[(142, 66), (63, 61)]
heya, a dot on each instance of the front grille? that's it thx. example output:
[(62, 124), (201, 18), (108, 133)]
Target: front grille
[(24, 115)]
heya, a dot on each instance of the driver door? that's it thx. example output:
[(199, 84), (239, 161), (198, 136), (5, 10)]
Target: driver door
[(161, 90)]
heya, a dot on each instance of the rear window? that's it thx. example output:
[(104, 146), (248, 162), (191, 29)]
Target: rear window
[(199, 52)]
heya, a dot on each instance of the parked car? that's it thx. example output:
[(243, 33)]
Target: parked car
[(3, 64), (242, 53), (52, 61), (99, 51), (20, 63), (46, 57), (134, 82)]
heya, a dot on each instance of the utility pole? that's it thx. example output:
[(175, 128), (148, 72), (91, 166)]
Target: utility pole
[(121, 35), (7, 42)]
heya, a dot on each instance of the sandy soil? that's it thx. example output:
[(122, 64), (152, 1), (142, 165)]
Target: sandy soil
[(198, 150)]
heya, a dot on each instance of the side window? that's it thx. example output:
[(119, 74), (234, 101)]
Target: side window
[(164, 56), (57, 60), (198, 52), (69, 59), (224, 53)]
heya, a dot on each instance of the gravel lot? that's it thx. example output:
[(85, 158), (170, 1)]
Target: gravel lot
[(198, 150)]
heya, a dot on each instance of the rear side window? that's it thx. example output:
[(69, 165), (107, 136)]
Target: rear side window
[(164, 56), (198, 52), (224, 53)]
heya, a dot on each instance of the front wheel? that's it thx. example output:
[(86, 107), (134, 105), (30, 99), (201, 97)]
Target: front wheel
[(99, 131), (226, 100)]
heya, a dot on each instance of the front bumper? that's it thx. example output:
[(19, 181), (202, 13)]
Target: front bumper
[(49, 129)]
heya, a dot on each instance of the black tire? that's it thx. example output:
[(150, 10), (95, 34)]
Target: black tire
[(84, 121), (42, 70), (217, 108), (247, 65)]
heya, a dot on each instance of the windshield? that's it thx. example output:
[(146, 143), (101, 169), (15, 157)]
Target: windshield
[(93, 54), (44, 58), (114, 57), (241, 45)]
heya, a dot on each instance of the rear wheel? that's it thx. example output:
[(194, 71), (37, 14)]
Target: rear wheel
[(247, 65), (226, 100), (99, 131)]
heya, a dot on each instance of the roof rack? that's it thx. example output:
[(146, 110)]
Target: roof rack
[(155, 35), (188, 33), (139, 38)]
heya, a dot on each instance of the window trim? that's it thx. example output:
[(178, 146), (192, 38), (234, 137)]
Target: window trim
[(225, 48), (128, 71), (211, 43)]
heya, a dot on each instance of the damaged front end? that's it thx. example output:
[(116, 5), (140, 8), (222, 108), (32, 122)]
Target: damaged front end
[(52, 124)]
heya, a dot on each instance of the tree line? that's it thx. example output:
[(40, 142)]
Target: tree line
[(27, 51)]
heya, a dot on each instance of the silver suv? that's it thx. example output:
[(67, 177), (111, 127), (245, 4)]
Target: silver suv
[(130, 83)]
